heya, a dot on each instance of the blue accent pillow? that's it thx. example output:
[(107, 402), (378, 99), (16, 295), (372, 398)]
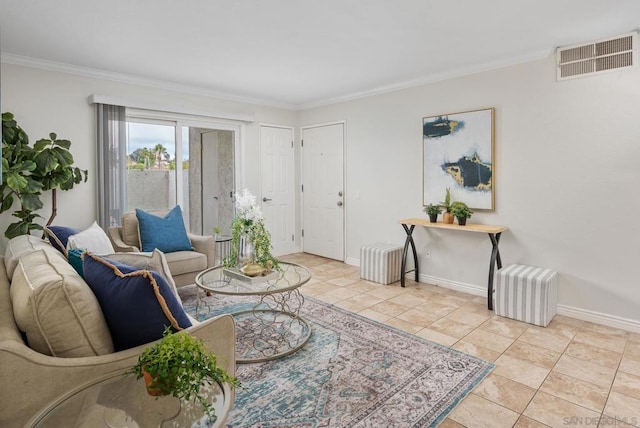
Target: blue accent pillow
[(137, 304), (74, 256), (167, 233), (59, 236)]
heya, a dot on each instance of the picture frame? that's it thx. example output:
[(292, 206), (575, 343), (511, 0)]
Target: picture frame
[(458, 154)]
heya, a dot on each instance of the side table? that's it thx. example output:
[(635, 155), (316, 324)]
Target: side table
[(119, 401), (223, 247)]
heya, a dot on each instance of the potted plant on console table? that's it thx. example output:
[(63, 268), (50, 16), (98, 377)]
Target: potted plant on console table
[(433, 210), (446, 204), (179, 365), (461, 211)]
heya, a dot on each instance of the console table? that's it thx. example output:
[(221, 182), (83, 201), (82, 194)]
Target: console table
[(494, 233)]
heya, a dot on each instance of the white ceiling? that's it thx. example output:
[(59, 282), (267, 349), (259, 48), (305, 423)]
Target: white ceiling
[(297, 53)]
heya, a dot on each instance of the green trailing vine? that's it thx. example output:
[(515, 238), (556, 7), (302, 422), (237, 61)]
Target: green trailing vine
[(259, 238)]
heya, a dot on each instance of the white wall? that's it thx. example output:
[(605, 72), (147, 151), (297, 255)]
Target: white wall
[(566, 182), (566, 169), (44, 101)]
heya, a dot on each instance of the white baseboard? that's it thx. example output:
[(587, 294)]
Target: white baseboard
[(452, 285), (569, 311), (600, 318), (352, 262)]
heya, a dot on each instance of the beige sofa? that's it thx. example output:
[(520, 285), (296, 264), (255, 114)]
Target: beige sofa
[(67, 343), (184, 265)]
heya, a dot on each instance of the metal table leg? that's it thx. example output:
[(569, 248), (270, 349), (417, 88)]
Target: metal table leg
[(409, 240), (495, 260)]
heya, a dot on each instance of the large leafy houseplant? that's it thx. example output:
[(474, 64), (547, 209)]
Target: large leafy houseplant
[(27, 172), (179, 365)]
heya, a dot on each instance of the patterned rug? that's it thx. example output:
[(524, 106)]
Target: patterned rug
[(353, 372)]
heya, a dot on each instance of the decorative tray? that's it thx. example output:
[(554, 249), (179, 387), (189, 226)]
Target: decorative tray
[(236, 274)]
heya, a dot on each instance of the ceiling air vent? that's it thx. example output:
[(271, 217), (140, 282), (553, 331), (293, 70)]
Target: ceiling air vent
[(595, 57)]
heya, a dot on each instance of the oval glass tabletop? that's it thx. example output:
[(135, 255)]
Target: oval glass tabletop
[(221, 280)]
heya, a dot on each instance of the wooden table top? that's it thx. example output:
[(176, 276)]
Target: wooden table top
[(469, 227)]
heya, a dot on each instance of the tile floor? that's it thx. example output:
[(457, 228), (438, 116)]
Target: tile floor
[(571, 373)]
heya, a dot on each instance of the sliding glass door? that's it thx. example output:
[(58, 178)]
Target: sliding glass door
[(180, 162)]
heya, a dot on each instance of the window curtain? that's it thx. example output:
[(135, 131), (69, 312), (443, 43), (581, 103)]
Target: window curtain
[(112, 156)]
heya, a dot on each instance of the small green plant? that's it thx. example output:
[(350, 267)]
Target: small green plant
[(433, 209), (217, 230), (460, 210), (180, 366), (446, 204)]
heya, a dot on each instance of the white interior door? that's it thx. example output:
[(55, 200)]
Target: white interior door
[(277, 186), (323, 190)]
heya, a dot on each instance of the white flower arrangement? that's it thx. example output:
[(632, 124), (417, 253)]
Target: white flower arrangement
[(246, 207)]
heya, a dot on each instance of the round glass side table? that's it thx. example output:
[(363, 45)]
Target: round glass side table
[(118, 401)]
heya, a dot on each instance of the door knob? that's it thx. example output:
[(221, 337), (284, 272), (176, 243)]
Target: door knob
[(265, 199), (339, 203), (340, 193)]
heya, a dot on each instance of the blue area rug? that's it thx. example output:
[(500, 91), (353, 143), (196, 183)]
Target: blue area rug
[(353, 372)]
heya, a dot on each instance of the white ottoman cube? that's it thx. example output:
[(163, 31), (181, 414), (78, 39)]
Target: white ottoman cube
[(527, 293), (380, 262)]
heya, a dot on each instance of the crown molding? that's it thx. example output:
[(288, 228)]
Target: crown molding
[(178, 87), (135, 80), (432, 78)]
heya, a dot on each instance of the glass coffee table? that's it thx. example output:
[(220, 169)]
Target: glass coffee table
[(118, 401), (273, 326)]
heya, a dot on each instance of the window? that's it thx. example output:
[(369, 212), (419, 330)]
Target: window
[(155, 160), (151, 166)]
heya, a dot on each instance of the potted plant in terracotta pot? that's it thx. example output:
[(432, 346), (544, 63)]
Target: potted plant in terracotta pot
[(179, 365), (446, 205), (461, 211), (433, 210)]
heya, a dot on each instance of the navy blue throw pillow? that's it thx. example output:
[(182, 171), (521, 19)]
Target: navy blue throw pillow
[(137, 304), (59, 236), (167, 233)]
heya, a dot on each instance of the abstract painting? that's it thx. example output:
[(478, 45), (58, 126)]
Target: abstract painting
[(457, 153)]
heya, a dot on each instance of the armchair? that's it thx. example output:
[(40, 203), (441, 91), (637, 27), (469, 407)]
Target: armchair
[(184, 265)]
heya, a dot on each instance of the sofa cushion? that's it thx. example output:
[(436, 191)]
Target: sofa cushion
[(168, 233), (19, 246), (56, 309), (130, 235), (137, 303), (186, 262), (59, 236), (92, 239), (154, 261)]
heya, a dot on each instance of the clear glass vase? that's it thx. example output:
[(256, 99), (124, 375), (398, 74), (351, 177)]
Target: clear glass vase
[(245, 250)]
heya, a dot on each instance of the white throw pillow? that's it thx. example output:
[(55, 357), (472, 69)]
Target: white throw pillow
[(92, 239)]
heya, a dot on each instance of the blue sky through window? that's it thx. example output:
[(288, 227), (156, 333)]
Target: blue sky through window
[(148, 135)]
